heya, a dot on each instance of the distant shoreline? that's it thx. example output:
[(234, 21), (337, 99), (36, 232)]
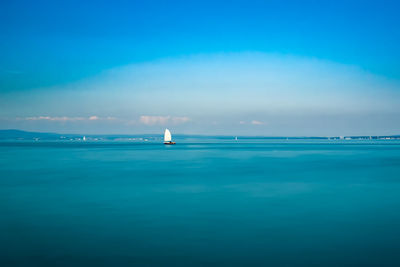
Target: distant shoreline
[(12, 134)]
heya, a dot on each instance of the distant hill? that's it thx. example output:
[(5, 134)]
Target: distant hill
[(18, 134), (13, 134)]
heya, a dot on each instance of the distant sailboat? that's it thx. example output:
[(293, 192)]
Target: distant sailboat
[(168, 138)]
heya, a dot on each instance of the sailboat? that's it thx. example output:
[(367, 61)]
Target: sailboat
[(168, 138)]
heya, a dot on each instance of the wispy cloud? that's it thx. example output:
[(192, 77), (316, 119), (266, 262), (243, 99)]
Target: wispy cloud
[(254, 122), (179, 120), (162, 120), (152, 120), (145, 119), (93, 118), (289, 94), (49, 118), (64, 118)]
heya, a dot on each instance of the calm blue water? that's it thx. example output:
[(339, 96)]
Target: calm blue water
[(258, 203)]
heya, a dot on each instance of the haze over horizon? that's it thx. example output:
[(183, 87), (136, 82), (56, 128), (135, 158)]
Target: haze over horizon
[(246, 68)]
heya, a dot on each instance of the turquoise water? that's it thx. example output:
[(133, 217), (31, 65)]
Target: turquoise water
[(255, 203)]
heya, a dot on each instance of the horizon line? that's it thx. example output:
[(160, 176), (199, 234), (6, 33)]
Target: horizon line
[(205, 135)]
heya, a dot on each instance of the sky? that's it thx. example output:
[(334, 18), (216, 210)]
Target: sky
[(287, 68)]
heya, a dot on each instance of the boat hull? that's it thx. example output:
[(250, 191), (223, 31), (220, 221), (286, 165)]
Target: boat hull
[(169, 143)]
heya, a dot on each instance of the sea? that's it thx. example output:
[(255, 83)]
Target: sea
[(202, 202)]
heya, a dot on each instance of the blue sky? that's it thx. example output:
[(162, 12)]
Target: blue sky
[(224, 67)]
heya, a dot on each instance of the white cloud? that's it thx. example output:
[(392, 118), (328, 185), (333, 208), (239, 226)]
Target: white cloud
[(152, 120), (254, 122), (64, 118), (162, 120), (93, 118), (49, 118), (289, 94)]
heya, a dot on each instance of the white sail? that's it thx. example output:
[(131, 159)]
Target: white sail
[(167, 136)]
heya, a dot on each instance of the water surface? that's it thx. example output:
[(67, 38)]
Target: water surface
[(208, 203)]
